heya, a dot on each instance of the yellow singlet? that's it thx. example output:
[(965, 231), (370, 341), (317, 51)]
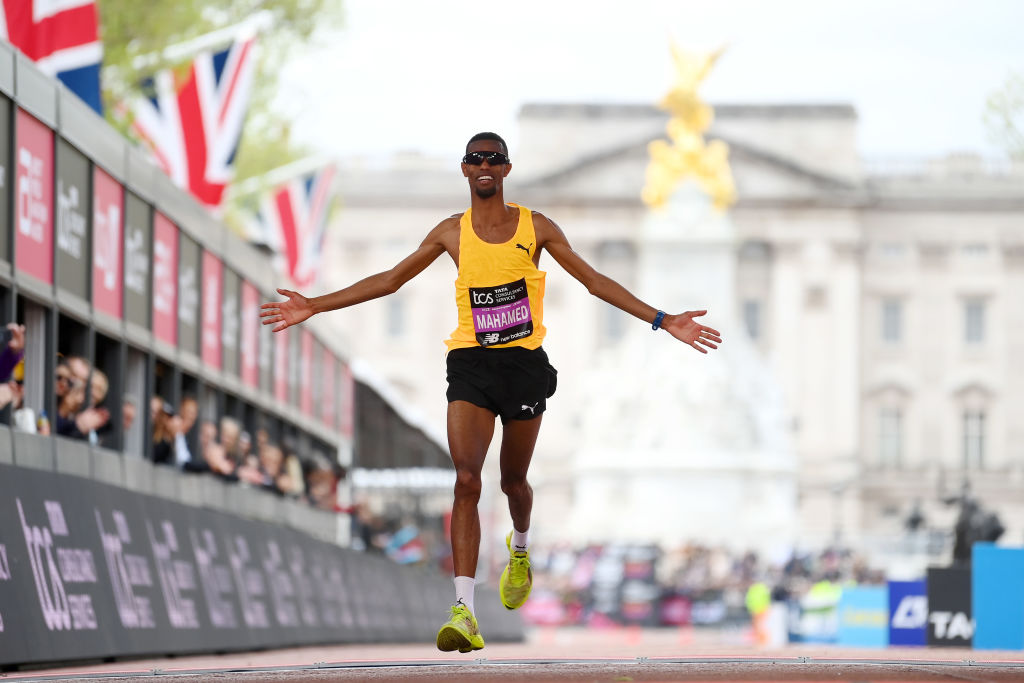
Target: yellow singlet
[(499, 291)]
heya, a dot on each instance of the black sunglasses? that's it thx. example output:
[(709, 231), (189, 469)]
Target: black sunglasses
[(477, 158)]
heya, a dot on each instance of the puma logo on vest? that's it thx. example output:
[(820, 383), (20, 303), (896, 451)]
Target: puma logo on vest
[(526, 249)]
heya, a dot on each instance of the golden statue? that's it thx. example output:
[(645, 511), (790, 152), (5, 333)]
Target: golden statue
[(687, 154)]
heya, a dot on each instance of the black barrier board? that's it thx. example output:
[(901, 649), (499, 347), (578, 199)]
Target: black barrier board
[(188, 294), (72, 221), (89, 570), (230, 323), (950, 619), (6, 178), (138, 249)]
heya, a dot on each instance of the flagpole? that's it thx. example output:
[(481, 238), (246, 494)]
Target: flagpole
[(275, 177), (178, 52)]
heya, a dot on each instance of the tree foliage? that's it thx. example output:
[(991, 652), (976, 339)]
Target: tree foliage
[(1004, 115), (136, 33)]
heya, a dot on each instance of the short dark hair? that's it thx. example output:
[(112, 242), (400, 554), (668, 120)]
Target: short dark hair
[(487, 136)]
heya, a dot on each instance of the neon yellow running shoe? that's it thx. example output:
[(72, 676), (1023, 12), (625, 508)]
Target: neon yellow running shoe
[(461, 632), (517, 578)]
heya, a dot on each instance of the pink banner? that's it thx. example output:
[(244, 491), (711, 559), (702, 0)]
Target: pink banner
[(250, 335), (346, 402), (165, 279), (281, 366), (33, 198), (328, 373), (306, 387), (213, 292), (107, 244)]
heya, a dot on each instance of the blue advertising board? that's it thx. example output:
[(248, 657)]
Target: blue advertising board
[(997, 584), (908, 613), (864, 616)]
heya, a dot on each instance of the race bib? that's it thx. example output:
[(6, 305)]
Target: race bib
[(501, 314)]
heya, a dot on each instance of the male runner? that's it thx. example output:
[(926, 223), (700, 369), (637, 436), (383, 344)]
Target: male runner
[(496, 366)]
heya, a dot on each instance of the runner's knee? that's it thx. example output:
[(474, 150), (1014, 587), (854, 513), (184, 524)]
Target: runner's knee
[(515, 487), (468, 484)]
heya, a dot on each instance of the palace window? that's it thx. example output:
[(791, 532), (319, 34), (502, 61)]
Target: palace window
[(395, 316), (890, 437), (974, 321), (752, 318), (892, 321), (974, 439)]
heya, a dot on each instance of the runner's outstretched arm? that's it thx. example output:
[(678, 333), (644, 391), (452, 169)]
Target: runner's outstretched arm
[(682, 326), (297, 308)]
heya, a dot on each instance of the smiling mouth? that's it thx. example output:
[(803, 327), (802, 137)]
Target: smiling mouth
[(485, 178)]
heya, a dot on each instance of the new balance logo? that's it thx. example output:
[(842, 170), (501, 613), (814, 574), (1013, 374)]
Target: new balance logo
[(526, 249), (491, 338), (530, 408)]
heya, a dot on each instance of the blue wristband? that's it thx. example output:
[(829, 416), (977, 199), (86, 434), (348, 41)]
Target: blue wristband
[(657, 320)]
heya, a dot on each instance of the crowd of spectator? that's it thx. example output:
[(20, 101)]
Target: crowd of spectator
[(179, 439), (79, 388), (224, 449), (692, 583), (404, 537)]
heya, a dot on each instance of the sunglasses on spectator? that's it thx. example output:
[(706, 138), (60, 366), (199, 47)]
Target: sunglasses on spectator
[(477, 158)]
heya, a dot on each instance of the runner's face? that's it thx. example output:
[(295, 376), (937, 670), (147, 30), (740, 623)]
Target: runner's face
[(485, 180)]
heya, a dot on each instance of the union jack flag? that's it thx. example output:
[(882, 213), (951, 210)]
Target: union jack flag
[(62, 38), (194, 127), (292, 221)]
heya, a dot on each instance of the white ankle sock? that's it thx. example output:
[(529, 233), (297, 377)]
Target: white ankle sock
[(520, 539), (464, 590)]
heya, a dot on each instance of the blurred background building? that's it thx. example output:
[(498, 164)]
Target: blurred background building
[(879, 298)]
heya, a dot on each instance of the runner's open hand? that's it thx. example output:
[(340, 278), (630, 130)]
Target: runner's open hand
[(286, 313), (684, 328)]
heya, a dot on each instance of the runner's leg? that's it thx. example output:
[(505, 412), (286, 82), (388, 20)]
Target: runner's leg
[(470, 429), (517, 443)]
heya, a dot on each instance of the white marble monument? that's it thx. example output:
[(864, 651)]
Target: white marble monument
[(680, 446)]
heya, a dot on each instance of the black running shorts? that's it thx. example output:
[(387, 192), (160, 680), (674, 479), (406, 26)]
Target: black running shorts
[(513, 383)]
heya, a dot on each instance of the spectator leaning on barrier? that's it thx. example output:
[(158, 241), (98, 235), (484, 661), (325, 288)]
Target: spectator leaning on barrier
[(181, 425), (78, 415), (163, 431), (212, 458), (290, 480), (70, 403), (17, 404), (188, 410), (99, 386), (129, 408), (294, 482), (13, 339), (63, 379), (321, 485), (245, 447), (230, 432)]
